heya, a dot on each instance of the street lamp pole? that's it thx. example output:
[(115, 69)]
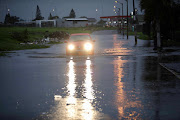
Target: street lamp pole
[(122, 20), (127, 19), (134, 14), (119, 19)]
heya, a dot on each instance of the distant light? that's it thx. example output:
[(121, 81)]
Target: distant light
[(114, 10), (116, 1), (114, 22), (114, 6), (8, 10), (96, 10), (53, 10)]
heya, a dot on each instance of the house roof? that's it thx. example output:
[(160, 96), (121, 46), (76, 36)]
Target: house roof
[(76, 19)]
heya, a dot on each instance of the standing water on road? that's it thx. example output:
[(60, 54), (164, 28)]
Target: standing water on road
[(121, 81)]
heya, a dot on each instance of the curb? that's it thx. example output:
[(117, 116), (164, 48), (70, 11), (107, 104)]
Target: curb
[(172, 71)]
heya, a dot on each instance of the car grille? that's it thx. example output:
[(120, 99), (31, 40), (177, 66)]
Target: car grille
[(79, 47)]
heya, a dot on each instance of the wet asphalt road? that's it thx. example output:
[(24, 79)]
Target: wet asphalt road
[(121, 81)]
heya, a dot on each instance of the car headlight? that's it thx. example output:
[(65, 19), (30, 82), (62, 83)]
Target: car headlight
[(88, 46), (71, 47)]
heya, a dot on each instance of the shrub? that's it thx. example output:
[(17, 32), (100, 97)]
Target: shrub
[(20, 36), (59, 35)]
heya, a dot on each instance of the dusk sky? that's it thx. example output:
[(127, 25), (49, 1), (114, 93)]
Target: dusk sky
[(26, 9)]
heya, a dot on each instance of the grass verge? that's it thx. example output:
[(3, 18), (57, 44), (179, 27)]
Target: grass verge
[(141, 36), (7, 43)]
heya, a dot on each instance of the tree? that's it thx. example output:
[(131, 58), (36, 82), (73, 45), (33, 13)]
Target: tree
[(50, 17), (83, 17), (38, 14), (10, 19), (7, 18), (160, 14), (55, 17), (101, 22), (72, 14)]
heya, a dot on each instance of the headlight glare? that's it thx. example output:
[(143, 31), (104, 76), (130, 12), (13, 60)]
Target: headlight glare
[(71, 47), (88, 46)]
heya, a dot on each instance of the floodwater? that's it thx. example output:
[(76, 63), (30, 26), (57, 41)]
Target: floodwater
[(121, 81)]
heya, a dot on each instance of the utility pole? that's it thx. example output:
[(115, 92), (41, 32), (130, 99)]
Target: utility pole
[(119, 19), (134, 14), (127, 19), (122, 20)]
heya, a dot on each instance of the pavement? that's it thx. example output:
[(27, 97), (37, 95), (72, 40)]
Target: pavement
[(123, 80), (170, 60)]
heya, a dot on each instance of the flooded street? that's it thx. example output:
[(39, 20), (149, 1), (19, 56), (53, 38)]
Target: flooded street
[(121, 81)]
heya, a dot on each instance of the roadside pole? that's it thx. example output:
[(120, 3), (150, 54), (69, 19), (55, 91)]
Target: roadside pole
[(134, 14), (127, 19), (119, 19), (122, 20)]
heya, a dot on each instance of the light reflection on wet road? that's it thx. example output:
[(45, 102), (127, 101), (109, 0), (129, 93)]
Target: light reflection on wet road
[(122, 81)]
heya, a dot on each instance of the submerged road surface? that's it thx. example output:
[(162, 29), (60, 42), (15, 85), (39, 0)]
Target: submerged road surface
[(121, 81)]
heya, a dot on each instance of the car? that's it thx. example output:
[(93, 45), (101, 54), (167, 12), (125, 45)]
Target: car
[(80, 44)]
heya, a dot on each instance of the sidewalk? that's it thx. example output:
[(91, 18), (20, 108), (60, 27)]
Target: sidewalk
[(171, 60)]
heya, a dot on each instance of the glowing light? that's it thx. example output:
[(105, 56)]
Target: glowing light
[(71, 86), (88, 81), (88, 113), (57, 97), (71, 47), (71, 90), (114, 6), (88, 46)]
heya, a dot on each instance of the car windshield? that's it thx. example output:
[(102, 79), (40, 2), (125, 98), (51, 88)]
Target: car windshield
[(79, 37)]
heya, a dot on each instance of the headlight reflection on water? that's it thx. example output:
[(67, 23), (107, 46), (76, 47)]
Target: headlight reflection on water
[(88, 113), (71, 87), (80, 108), (73, 106)]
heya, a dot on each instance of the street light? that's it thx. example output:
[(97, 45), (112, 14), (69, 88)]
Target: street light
[(127, 15), (96, 13), (122, 19), (119, 24)]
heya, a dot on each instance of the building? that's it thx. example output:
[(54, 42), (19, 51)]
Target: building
[(91, 21), (65, 22), (72, 22)]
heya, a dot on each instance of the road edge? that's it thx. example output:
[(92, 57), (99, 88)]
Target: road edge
[(170, 70)]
